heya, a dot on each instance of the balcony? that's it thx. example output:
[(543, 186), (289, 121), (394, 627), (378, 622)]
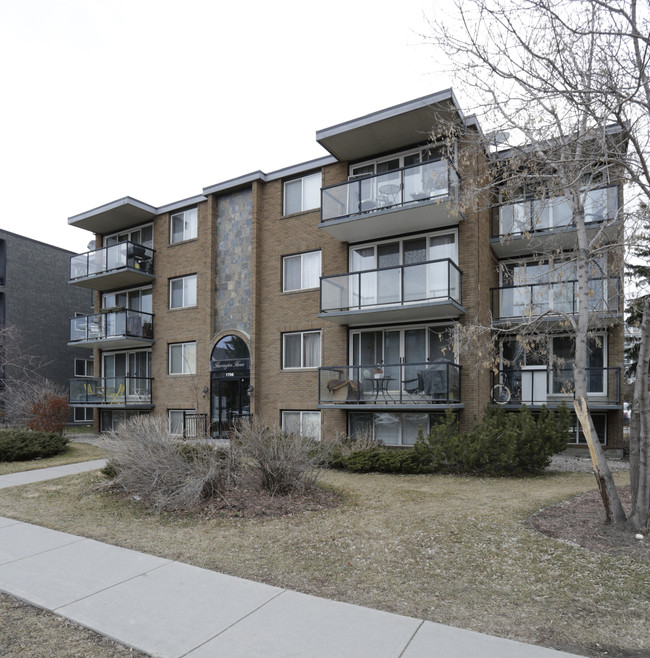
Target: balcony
[(535, 387), (530, 301), (531, 225), (109, 330), (111, 392), (415, 198), (420, 385), (117, 266), (421, 291)]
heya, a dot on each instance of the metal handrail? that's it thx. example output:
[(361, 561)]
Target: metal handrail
[(114, 257), (109, 324)]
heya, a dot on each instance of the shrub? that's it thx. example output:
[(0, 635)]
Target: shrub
[(23, 445), (280, 462), (503, 443), (49, 414), (166, 474)]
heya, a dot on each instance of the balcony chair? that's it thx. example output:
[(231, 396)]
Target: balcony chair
[(345, 390)]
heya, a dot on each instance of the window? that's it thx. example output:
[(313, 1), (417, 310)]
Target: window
[(82, 415), (84, 368), (182, 291), (302, 194), (176, 420), (301, 349), (182, 359), (301, 271), (600, 425), (394, 429), (305, 423), (183, 226), (142, 235)]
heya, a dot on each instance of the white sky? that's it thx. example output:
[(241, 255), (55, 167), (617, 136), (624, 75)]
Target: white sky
[(157, 99)]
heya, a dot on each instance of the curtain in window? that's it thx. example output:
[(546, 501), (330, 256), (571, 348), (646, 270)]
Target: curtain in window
[(311, 269), (292, 273), (292, 348), (312, 350)]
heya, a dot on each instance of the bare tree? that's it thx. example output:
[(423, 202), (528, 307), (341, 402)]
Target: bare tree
[(566, 84), (22, 386)]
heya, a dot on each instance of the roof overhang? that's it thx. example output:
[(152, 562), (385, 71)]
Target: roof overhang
[(114, 216), (392, 128)]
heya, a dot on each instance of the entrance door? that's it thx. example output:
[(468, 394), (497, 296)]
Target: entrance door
[(230, 402)]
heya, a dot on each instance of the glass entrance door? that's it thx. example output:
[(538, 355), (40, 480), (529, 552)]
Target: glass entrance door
[(230, 403)]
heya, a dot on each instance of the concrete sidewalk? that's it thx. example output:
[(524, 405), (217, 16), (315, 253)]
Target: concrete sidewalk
[(167, 608)]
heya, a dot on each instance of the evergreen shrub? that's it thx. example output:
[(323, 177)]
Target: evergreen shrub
[(24, 445)]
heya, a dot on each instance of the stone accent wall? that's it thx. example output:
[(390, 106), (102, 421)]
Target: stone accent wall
[(232, 266)]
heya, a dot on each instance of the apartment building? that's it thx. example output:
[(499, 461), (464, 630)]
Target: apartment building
[(325, 297), (36, 299)]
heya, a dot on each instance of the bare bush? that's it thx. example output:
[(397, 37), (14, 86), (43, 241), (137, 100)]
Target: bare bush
[(282, 462), (164, 472), (361, 441)]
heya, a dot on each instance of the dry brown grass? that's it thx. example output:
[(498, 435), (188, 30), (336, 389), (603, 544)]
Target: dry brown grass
[(73, 454), (30, 632), (454, 550)]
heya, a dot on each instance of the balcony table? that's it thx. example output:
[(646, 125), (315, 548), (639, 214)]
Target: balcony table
[(380, 385)]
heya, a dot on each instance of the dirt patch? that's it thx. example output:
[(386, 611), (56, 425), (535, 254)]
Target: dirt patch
[(581, 520)]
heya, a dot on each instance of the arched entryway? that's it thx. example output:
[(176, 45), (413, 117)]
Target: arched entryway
[(229, 384)]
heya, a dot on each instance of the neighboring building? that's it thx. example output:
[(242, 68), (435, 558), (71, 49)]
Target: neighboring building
[(35, 298), (324, 297)]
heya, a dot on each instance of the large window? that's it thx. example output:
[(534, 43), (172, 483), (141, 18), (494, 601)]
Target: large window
[(600, 425), (301, 350), (175, 419), (183, 226), (182, 358), (142, 235), (83, 414), (182, 291), (305, 423), (301, 271), (302, 194), (393, 429)]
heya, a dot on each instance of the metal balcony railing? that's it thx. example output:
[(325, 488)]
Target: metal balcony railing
[(123, 323), (108, 259), (418, 383), (531, 300), (114, 391), (551, 386), (533, 216), (430, 180), (430, 281)]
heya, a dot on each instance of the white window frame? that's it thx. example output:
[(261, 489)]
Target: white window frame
[(185, 278), (575, 430), (303, 201), (128, 236), (304, 285), (187, 367), (189, 219), (87, 411), (85, 368), (302, 335), (302, 421), (170, 423)]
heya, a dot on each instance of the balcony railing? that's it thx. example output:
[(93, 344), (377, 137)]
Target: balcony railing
[(531, 216), (410, 185), (111, 325), (110, 391), (551, 386), (109, 259), (531, 300), (419, 383), (431, 281)]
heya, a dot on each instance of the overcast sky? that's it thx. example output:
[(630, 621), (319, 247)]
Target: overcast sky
[(157, 99)]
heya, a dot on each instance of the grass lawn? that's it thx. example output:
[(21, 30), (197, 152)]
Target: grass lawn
[(73, 454), (455, 550)]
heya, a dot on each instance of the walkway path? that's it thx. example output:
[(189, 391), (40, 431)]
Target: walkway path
[(168, 608)]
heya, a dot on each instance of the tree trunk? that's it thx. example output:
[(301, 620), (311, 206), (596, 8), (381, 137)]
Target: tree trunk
[(640, 433)]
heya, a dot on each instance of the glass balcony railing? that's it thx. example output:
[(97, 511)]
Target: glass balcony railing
[(113, 391), (417, 383), (108, 259), (537, 386), (531, 300), (111, 324), (410, 185), (529, 216), (430, 281)]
